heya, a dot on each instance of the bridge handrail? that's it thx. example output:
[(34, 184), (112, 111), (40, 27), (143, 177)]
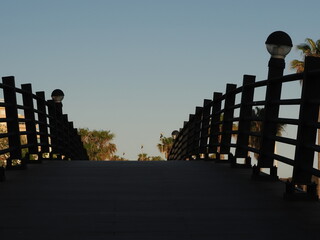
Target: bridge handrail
[(36, 125), (209, 131)]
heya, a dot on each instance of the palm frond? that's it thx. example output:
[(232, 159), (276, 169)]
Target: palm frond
[(305, 48), (298, 65), (312, 45), (318, 46)]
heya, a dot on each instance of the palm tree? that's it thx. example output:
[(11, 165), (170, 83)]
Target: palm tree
[(256, 126), (310, 48), (165, 145), (98, 144)]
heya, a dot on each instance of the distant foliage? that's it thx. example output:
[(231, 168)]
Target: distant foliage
[(145, 157), (165, 145), (118, 158), (4, 144), (310, 48), (98, 144), (257, 126)]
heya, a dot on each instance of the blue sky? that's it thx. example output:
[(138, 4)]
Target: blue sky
[(139, 67)]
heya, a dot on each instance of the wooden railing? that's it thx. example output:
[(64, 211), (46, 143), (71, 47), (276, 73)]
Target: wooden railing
[(35, 128), (209, 132)]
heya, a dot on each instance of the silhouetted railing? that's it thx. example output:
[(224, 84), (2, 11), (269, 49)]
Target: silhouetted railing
[(34, 129), (208, 133)]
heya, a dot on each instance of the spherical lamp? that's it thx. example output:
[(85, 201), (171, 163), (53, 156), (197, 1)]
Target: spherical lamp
[(279, 44), (175, 134), (57, 96)]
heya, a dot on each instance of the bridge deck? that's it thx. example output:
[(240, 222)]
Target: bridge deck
[(148, 200)]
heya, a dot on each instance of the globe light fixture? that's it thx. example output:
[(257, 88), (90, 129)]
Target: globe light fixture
[(175, 134), (279, 44), (57, 95)]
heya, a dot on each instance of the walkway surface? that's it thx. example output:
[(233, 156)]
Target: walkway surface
[(148, 200)]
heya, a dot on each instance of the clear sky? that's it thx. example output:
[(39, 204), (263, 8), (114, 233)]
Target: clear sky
[(139, 67)]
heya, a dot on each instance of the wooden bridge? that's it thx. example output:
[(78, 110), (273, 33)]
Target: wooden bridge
[(185, 200), (65, 198)]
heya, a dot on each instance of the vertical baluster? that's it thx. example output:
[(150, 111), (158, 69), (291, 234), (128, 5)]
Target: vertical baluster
[(214, 139), (10, 99), (227, 124), (42, 124), (205, 127), (244, 125), (27, 98), (308, 118)]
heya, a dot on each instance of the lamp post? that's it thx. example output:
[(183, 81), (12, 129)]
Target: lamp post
[(57, 96), (278, 45), (174, 136)]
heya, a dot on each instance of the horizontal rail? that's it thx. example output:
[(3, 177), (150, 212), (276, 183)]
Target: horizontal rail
[(36, 125), (213, 129)]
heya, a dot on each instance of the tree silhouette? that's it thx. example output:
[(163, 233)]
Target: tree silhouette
[(98, 144), (165, 145)]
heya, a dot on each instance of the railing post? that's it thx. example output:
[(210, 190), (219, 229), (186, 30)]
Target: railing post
[(53, 128), (81, 153), (205, 127), (227, 119), (197, 131), (30, 120), (59, 130), (176, 142), (71, 140), (214, 138), (179, 146), (244, 125), (43, 124), (269, 130), (184, 144), (173, 149), (9, 94), (65, 136), (307, 129), (76, 138), (181, 152), (190, 137)]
